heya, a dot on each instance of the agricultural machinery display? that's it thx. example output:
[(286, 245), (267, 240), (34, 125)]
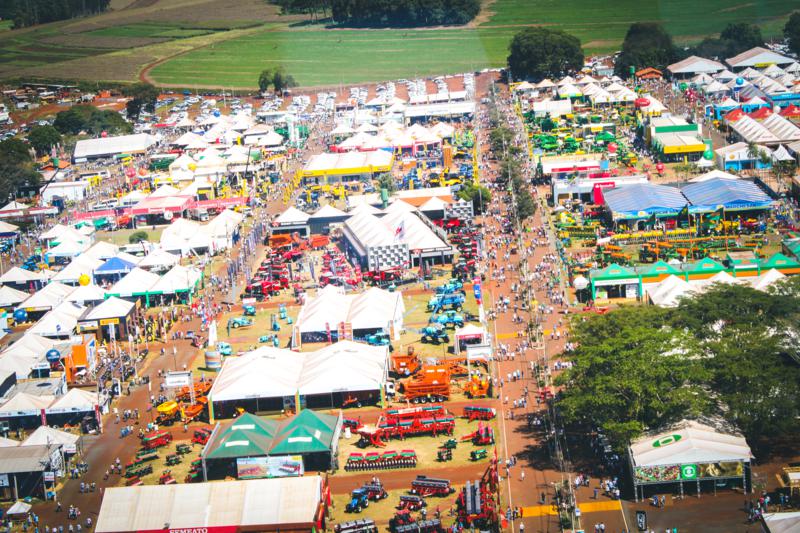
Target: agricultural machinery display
[(363, 525), (434, 334), (430, 384), (477, 412), (425, 486), (448, 319), (411, 502), (438, 302), (156, 439), (483, 436), (404, 423), (240, 322), (360, 498), (477, 455), (381, 461), (478, 504)]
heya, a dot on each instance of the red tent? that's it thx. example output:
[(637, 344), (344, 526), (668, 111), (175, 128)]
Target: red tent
[(761, 113), (790, 112), (734, 115)]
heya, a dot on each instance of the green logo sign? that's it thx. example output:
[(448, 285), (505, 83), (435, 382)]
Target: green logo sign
[(688, 471), (666, 441)]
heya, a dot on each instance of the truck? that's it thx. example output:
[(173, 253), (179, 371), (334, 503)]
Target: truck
[(431, 384)]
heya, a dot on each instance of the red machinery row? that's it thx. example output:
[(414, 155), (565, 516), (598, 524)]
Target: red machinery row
[(401, 423)]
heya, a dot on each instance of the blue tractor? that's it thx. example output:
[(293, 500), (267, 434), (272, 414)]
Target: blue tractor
[(249, 310), (441, 301), (434, 334), (452, 286), (359, 500), (448, 319), (380, 338)]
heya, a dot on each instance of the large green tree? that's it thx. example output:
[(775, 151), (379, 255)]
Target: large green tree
[(741, 36), (536, 53), (647, 44), (14, 151), (43, 138), (632, 372), (479, 195), (792, 32), (143, 97), (12, 177), (88, 118)]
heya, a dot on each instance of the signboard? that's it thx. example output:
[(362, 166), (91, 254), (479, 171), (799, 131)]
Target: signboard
[(4, 480), (109, 321), (479, 352), (87, 326), (178, 379), (267, 467), (641, 520), (688, 471), (49, 476)]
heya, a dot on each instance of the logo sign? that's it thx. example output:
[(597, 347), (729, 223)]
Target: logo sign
[(641, 520), (666, 441), (688, 471), (178, 379), (49, 476)]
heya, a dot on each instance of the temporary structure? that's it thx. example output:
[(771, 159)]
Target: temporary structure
[(10, 297), (48, 297)]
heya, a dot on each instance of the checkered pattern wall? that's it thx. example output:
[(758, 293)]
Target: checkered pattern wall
[(383, 257), (461, 210)]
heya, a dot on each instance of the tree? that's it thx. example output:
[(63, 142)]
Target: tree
[(536, 53), (387, 181), (632, 372), (281, 80), (43, 138), (265, 79), (143, 98), (792, 32), (88, 118), (526, 206), (137, 237), (69, 122), (14, 152), (741, 36), (479, 195), (647, 44), (396, 13), (501, 138), (12, 177)]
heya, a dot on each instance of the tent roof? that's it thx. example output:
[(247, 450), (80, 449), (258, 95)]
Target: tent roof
[(87, 293), (17, 275), (689, 442), (22, 459), (328, 211), (60, 321), (22, 402), (106, 146), (48, 297), (711, 174), (415, 233), (729, 193), (82, 264), (112, 308), (434, 204), (292, 502), (292, 216), (101, 250), (786, 522), (246, 436), (308, 432), (158, 258), (694, 64), (44, 435), (644, 199), (11, 297), (756, 56), (179, 278), (5, 227), (115, 265), (138, 281)]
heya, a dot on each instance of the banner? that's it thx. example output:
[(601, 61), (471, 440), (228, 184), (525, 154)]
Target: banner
[(267, 467), (688, 472)]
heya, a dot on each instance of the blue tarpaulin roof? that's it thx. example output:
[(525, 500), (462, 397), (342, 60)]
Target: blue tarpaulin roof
[(728, 193), (115, 265), (641, 200)]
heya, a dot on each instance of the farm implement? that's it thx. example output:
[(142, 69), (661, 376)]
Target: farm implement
[(402, 423), (384, 461), (477, 412), (360, 498), (364, 525), (483, 436), (402, 522), (411, 502), (156, 439), (425, 486), (478, 506)]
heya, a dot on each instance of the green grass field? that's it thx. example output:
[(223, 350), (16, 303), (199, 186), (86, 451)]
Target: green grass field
[(330, 57), (318, 56)]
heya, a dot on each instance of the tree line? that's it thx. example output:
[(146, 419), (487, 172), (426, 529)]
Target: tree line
[(731, 352), (387, 13), (31, 12)]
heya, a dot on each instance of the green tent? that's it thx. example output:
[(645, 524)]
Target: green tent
[(660, 268), (705, 266), (308, 432), (246, 436), (778, 261)]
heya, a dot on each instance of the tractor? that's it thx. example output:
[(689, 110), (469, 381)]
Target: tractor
[(477, 455), (225, 348), (440, 301), (240, 322), (380, 338), (434, 334), (454, 285), (249, 310), (448, 319), (358, 501)]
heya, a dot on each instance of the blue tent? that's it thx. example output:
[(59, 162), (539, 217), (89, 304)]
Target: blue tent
[(642, 200), (115, 265), (731, 194)]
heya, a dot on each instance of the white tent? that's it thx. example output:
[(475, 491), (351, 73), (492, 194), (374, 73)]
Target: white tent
[(60, 322), (136, 282), (713, 174), (45, 435), (291, 216), (158, 260), (24, 404), (783, 522), (75, 400), (667, 292), (102, 250), (221, 229), (413, 231), (113, 307), (20, 276), (8, 443), (184, 235), (11, 297), (691, 442), (87, 294), (178, 279), (83, 264), (50, 296), (67, 248), (269, 372), (764, 281)]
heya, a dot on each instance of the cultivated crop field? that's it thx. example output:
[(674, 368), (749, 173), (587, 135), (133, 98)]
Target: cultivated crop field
[(226, 43)]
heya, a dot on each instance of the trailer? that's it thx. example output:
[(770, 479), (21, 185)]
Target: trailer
[(425, 486), (431, 384)]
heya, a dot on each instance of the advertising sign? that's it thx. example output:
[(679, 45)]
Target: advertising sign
[(641, 520), (178, 379), (266, 467), (688, 471)]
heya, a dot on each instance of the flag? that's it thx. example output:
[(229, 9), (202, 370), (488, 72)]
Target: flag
[(400, 231)]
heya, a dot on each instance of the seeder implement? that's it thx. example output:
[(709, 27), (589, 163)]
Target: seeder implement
[(476, 412), (428, 486)]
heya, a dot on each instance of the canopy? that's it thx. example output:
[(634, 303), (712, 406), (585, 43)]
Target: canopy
[(246, 436), (732, 194), (24, 404), (292, 216), (308, 432), (641, 200), (45, 435), (20, 276), (48, 297), (115, 265), (178, 279), (11, 297), (111, 308), (101, 250), (689, 442), (159, 260), (59, 322), (137, 283), (87, 294), (668, 291), (373, 309)]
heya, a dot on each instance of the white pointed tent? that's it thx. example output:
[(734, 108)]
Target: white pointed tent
[(20, 276), (83, 264), (102, 250), (60, 322), (24, 404), (178, 279), (87, 295), (138, 282), (45, 435), (50, 296), (10, 297), (159, 260)]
